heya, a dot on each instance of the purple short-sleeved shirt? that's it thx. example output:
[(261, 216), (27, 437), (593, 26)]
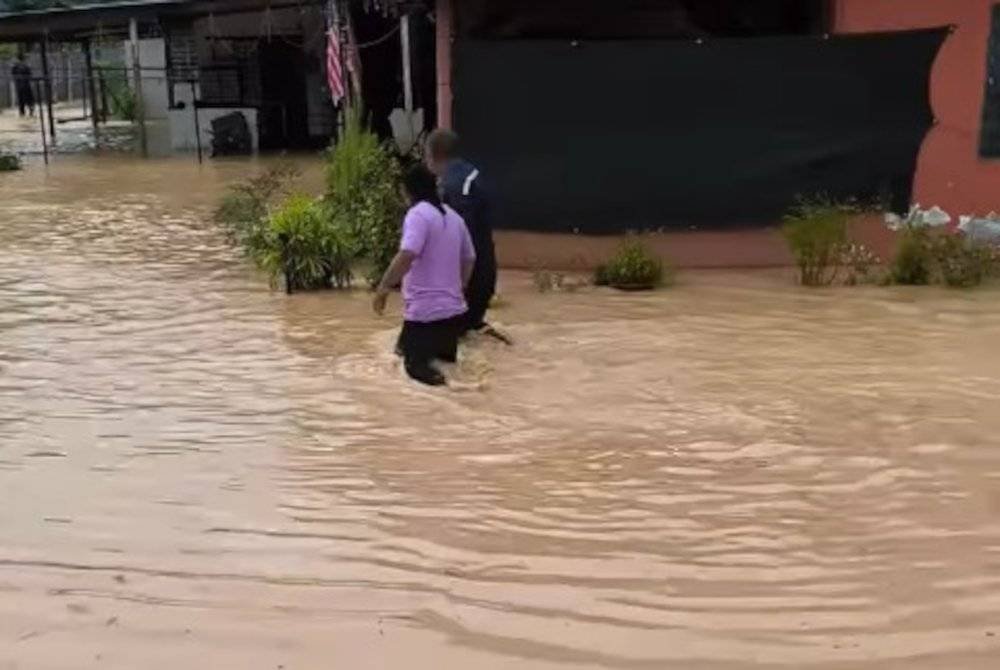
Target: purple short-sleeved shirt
[(432, 289)]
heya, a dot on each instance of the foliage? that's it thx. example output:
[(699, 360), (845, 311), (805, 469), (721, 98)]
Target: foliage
[(913, 264), (9, 162), (294, 237), (633, 266), (245, 208), (302, 243), (363, 193), (816, 233), (121, 98), (860, 264), (961, 262), (916, 257), (964, 258)]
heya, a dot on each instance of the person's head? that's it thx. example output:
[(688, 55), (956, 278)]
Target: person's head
[(441, 148), (420, 185), (20, 55)]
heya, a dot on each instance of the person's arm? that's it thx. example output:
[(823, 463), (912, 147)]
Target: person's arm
[(412, 243), (394, 274), (468, 256)]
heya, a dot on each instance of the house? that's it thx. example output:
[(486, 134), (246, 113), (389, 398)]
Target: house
[(199, 60), (660, 87)]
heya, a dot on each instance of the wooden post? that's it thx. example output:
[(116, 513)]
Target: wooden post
[(140, 111), (47, 86), (404, 39), (444, 20), (88, 60)]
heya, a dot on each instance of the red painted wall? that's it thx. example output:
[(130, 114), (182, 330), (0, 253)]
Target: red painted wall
[(950, 172)]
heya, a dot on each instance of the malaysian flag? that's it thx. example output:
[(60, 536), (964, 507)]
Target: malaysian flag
[(334, 67)]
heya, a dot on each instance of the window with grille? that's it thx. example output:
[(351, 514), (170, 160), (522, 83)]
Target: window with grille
[(989, 145)]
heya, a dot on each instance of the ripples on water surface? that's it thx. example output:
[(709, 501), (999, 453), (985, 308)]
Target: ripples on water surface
[(734, 474)]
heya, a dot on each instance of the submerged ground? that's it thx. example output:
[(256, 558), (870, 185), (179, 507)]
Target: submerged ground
[(196, 472)]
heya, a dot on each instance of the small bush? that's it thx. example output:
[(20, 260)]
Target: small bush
[(962, 263), (9, 162), (363, 193), (816, 233), (914, 261), (302, 244), (632, 267), (245, 208), (860, 264)]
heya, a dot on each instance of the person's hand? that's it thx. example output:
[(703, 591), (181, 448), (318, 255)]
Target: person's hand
[(379, 301)]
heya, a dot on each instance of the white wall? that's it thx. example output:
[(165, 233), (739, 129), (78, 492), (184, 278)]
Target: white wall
[(153, 55), (182, 129)]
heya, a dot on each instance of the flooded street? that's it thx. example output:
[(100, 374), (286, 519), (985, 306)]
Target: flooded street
[(735, 473)]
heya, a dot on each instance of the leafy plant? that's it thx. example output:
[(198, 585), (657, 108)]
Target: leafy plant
[(961, 262), (9, 162), (245, 208), (913, 264), (916, 257), (860, 264), (816, 233), (292, 237), (362, 177), (632, 267), (303, 244)]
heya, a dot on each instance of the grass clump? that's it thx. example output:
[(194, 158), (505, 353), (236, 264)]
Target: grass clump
[(816, 231), (633, 267)]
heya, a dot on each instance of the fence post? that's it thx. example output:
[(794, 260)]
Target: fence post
[(140, 111), (88, 60), (48, 87)]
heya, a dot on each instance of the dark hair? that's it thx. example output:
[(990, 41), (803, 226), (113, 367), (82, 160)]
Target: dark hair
[(443, 144), (422, 186)]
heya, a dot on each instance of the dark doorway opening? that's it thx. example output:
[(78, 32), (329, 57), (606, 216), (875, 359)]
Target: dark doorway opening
[(283, 105)]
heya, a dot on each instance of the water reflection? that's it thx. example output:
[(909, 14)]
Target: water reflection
[(732, 474)]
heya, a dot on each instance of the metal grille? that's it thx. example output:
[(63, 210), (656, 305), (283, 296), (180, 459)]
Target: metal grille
[(989, 145)]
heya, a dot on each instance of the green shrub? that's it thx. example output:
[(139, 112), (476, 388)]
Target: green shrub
[(245, 208), (302, 244), (816, 233), (9, 162), (633, 266), (914, 262), (962, 263), (295, 238), (362, 177)]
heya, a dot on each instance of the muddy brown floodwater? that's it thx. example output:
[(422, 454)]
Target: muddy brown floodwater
[(198, 473)]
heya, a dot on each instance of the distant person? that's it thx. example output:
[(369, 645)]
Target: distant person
[(463, 189), (434, 263), (21, 74)]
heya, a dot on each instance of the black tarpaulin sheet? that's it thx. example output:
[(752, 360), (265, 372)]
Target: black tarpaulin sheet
[(605, 137)]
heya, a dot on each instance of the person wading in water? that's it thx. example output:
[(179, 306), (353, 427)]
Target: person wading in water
[(434, 264), (462, 188), (21, 74)]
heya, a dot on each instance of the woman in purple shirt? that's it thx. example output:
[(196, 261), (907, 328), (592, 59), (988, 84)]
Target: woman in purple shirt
[(434, 263)]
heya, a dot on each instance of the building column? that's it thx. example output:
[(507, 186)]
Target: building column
[(444, 22)]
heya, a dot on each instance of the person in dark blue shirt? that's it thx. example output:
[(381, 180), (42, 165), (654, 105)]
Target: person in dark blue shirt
[(464, 190)]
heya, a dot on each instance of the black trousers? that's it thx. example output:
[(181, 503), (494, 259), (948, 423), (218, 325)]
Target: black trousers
[(422, 343), (25, 100), (478, 296)]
